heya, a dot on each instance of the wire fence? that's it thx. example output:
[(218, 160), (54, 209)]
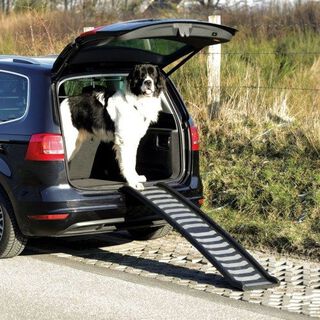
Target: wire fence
[(265, 87), (265, 53)]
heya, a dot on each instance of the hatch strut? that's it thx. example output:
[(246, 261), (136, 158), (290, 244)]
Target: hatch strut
[(182, 62)]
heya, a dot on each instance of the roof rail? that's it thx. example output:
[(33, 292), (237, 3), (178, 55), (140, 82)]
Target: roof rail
[(18, 59), (49, 59), (25, 60)]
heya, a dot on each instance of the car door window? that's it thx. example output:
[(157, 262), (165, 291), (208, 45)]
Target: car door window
[(13, 96)]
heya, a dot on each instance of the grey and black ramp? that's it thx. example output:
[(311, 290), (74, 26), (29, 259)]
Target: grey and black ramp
[(238, 267)]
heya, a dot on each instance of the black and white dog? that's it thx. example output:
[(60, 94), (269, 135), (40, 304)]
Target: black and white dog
[(122, 118)]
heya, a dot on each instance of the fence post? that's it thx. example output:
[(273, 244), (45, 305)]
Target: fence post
[(213, 68)]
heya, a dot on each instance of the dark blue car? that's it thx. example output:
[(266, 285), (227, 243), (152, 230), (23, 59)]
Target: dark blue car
[(41, 193)]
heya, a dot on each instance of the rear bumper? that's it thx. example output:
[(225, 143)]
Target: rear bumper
[(89, 212)]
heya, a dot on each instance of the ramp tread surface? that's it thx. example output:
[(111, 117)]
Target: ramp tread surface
[(233, 261)]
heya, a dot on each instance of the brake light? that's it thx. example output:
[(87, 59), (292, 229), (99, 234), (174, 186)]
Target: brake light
[(195, 139), (90, 32), (45, 147), (59, 216)]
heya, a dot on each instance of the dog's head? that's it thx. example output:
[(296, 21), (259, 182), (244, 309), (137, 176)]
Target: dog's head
[(145, 80)]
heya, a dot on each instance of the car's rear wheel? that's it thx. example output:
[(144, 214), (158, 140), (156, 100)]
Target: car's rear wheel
[(12, 242), (149, 233)]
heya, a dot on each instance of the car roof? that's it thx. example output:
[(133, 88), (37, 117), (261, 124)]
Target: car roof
[(43, 61)]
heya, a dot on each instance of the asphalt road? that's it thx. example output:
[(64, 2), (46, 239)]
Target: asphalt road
[(42, 287)]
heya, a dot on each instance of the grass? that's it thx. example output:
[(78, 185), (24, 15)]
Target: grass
[(31, 33), (260, 156), (264, 192)]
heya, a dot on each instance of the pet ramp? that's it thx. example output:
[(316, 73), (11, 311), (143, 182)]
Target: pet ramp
[(239, 268)]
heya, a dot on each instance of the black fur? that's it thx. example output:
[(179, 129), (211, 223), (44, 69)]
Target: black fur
[(88, 113)]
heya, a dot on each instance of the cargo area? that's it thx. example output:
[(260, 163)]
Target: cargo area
[(159, 155)]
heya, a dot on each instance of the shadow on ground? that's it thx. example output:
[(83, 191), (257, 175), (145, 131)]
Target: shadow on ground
[(90, 248)]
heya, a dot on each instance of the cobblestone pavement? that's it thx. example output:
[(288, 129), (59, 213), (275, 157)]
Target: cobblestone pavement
[(173, 259)]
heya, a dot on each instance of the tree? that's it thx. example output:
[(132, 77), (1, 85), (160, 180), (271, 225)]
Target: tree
[(210, 3), (6, 6)]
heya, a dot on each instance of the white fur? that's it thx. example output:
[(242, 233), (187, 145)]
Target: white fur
[(131, 124), (69, 131), (148, 90), (132, 116)]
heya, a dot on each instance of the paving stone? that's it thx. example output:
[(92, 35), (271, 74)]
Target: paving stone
[(165, 278), (90, 261), (103, 264)]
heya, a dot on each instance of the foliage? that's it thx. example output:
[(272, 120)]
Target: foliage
[(23, 5)]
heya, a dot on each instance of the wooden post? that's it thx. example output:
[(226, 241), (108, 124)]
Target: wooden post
[(213, 67)]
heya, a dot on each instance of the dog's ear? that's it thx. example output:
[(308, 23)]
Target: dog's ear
[(133, 79), (133, 73), (160, 82)]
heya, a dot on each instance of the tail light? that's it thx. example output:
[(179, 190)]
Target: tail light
[(195, 139), (45, 147), (90, 32)]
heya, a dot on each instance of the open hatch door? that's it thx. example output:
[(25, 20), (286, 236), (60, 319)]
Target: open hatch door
[(160, 42)]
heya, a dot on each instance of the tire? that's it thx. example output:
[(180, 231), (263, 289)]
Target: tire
[(12, 242), (149, 233)]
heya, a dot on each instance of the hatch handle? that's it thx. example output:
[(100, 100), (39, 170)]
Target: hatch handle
[(184, 29)]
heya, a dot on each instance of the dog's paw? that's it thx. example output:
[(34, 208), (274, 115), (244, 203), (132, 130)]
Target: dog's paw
[(136, 185), (139, 186), (142, 178)]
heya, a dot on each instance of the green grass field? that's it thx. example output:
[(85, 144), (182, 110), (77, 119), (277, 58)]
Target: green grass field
[(261, 155)]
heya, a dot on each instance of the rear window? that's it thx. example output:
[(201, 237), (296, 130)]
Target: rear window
[(78, 86), (13, 96), (163, 47)]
